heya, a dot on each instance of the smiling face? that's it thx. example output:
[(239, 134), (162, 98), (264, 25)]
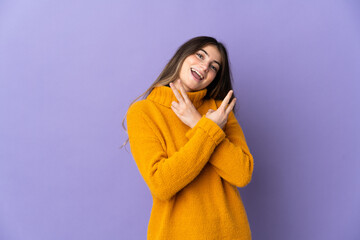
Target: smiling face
[(199, 69)]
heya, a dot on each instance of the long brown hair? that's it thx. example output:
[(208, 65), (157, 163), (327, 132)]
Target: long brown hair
[(217, 89)]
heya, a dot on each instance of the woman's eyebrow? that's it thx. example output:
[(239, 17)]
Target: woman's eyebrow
[(208, 55)]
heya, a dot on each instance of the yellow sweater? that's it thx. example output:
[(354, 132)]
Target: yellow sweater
[(192, 173)]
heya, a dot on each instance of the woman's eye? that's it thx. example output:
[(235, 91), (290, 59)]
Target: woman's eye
[(201, 57)]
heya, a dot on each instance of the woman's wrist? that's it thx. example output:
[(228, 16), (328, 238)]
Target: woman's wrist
[(197, 119)]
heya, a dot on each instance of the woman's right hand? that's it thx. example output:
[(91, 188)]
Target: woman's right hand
[(220, 115)]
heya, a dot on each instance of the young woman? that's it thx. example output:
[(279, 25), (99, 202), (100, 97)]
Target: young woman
[(190, 148)]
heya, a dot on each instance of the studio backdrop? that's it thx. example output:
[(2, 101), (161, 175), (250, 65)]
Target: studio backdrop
[(70, 69)]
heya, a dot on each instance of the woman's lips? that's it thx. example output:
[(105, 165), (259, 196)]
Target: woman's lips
[(197, 77), (201, 76)]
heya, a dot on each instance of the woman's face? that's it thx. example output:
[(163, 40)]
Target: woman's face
[(199, 69)]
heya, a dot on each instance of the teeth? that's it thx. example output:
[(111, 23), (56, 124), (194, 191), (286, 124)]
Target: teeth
[(201, 76)]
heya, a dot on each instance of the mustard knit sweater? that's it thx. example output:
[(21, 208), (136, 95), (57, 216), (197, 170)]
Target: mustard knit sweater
[(192, 173)]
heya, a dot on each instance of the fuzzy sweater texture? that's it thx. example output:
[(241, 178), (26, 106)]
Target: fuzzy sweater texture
[(192, 173)]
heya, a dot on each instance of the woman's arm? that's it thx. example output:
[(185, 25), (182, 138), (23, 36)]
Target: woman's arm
[(232, 159), (165, 176)]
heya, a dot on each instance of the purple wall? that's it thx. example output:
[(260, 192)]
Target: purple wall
[(68, 72)]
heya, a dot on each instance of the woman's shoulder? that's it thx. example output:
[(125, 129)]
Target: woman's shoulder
[(141, 107), (138, 106), (217, 102)]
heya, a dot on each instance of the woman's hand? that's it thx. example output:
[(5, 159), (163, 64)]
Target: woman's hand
[(184, 109), (220, 116)]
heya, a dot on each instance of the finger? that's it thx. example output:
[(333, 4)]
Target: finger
[(226, 100), (176, 93), (230, 107), (183, 93), (174, 110), (175, 105)]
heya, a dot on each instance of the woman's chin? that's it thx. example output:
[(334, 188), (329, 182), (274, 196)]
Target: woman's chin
[(190, 85)]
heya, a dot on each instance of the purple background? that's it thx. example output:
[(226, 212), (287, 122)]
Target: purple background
[(69, 70)]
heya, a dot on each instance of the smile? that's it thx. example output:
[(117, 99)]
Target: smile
[(199, 74)]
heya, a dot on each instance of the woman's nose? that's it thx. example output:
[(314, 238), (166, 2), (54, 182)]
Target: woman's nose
[(204, 67)]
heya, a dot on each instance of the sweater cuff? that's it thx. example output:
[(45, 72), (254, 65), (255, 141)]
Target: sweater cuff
[(208, 126)]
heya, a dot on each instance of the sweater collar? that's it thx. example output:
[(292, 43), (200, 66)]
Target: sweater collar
[(164, 95)]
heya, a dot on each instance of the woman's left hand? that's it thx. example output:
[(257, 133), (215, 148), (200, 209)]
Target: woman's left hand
[(184, 109)]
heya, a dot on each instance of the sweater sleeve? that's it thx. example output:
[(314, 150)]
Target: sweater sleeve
[(232, 159), (166, 175)]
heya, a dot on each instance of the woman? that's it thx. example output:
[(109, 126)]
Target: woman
[(190, 148)]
